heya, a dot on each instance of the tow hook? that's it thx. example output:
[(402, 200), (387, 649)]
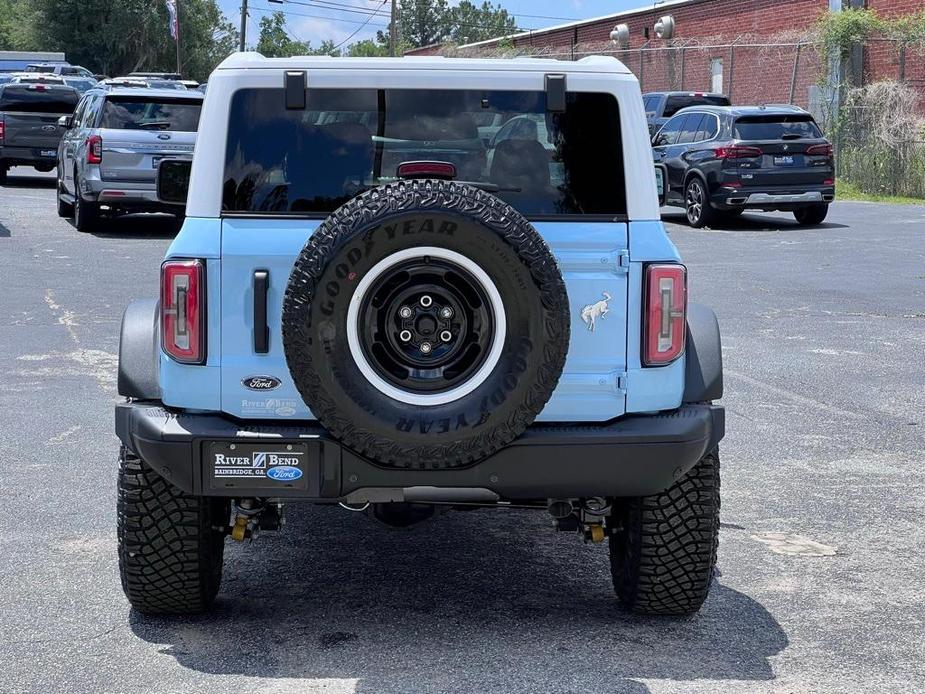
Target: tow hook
[(252, 516), (593, 513)]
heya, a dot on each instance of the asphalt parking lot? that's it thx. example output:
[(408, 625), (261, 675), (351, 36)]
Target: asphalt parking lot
[(824, 338)]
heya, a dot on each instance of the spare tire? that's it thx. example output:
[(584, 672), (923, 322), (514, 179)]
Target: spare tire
[(425, 324)]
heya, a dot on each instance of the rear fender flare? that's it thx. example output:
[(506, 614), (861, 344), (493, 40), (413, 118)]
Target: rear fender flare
[(703, 372), (139, 351)]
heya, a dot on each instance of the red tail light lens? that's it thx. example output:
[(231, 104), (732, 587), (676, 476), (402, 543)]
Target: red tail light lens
[(94, 149), (183, 304), (820, 150), (665, 326), (2, 131), (426, 169), (736, 152)]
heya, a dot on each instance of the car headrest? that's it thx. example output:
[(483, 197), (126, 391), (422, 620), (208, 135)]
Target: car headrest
[(520, 163)]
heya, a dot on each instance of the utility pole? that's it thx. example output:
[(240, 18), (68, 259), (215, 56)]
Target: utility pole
[(243, 24), (393, 29), (179, 66)]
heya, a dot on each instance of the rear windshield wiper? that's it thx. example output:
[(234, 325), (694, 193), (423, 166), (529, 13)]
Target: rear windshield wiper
[(156, 125), (791, 136)]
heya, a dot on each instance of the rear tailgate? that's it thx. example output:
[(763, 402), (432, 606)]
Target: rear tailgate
[(787, 158), (591, 257), (33, 130), (140, 130), (30, 115), (133, 155)]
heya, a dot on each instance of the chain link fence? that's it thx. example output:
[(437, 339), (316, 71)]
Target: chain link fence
[(878, 129)]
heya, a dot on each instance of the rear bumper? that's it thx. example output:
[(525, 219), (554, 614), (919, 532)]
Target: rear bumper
[(29, 156), (771, 199), (122, 193), (632, 456)]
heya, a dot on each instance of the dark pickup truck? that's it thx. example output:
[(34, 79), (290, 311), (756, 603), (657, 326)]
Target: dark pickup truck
[(660, 106), (29, 128)]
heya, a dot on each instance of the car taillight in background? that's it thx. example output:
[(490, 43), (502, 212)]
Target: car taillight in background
[(820, 150), (183, 305), (2, 131), (94, 149), (736, 152), (665, 326)]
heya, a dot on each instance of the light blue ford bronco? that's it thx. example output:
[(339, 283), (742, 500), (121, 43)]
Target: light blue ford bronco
[(413, 285)]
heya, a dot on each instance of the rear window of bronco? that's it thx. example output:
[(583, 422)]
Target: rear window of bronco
[(311, 161)]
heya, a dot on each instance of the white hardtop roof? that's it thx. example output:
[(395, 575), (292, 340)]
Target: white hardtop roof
[(590, 64)]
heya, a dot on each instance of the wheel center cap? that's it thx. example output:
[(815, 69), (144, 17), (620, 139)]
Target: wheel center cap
[(426, 325)]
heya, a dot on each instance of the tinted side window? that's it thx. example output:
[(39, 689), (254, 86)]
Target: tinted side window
[(689, 128), (708, 128), (670, 132), (79, 113)]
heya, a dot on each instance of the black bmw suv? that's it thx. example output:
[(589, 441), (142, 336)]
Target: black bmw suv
[(722, 160)]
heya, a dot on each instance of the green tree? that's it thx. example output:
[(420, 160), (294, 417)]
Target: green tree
[(367, 49), (470, 23), (16, 25), (275, 41), (119, 36), (425, 22)]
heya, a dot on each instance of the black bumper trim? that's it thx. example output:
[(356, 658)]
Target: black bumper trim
[(631, 456)]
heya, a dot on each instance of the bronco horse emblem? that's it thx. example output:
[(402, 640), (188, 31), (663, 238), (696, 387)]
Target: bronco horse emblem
[(592, 312)]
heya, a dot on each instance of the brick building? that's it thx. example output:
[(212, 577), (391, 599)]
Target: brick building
[(757, 51)]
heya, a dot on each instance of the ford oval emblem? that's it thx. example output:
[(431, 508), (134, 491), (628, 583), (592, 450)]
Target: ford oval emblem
[(163, 136), (261, 383), (284, 473)]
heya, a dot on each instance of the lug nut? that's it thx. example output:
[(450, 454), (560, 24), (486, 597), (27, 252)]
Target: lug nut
[(405, 312), (446, 335), (446, 312), (426, 347), (426, 301), (404, 335)]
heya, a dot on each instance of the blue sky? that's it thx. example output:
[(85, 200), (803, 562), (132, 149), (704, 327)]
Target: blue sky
[(327, 22)]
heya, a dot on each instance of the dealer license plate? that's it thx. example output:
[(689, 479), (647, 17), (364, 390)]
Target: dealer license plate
[(784, 160), (270, 465)]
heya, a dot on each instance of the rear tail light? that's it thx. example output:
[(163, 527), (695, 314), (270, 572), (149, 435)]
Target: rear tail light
[(94, 149), (820, 150), (665, 326), (2, 131), (736, 152), (183, 304)]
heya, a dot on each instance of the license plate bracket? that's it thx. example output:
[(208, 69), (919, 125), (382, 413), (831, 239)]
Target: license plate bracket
[(279, 466)]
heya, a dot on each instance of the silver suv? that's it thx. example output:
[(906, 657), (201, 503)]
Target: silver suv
[(108, 157)]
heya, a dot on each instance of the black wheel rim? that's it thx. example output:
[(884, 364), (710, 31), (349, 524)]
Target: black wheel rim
[(426, 325)]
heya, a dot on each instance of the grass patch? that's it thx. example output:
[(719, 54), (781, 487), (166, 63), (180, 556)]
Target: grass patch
[(845, 190)]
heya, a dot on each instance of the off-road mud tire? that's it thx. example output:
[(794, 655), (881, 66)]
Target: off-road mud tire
[(170, 554), (663, 550)]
